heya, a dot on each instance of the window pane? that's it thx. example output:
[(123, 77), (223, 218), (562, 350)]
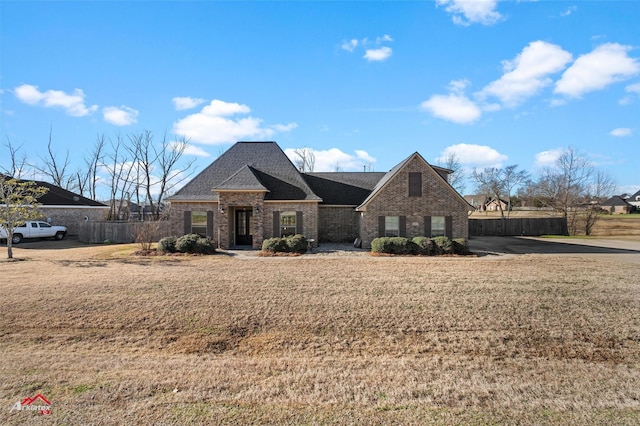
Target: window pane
[(287, 224), (437, 226), (392, 226), (199, 223)]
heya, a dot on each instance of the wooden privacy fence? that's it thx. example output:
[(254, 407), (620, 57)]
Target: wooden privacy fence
[(119, 232), (518, 226)]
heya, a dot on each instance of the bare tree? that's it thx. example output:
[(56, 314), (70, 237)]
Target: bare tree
[(17, 162), (500, 183), (57, 171), (512, 178), (564, 185), (305, 159), (489, 183), (457, 178), (87, 178), (158, 169), (601, 187), (119, 169)]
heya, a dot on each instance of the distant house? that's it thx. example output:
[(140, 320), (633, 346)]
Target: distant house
[(634, 200), (617, 205), (477, 201), (253, 192), (62, 207), (494, 205), (483, 203)]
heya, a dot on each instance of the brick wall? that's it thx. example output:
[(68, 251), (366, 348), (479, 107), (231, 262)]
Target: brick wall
[(338, 224), (437, 199), (176, 214), (230, 200), (223, 223), (309, 217), (71, 217)]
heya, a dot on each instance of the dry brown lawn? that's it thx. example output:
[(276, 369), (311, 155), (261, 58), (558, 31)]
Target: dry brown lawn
[(111, 338)]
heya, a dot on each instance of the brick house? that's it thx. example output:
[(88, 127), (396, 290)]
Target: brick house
[(62, 207), (253, 192)]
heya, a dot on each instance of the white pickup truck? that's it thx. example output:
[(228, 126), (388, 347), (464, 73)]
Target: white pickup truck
[(34, 229)]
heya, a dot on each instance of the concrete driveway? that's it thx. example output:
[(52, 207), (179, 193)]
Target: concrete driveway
[(624, 250)]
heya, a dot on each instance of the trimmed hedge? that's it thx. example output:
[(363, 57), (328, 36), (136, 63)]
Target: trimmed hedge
[(420, 245), (293, 244), (167, 244), (190, 243)]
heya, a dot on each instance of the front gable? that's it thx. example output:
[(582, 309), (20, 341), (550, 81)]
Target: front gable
[(415, 183)]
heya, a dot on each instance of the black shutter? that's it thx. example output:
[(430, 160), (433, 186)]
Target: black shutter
[(402, 224), (448, 226), (210, 224), (276, 224), (381, 226), (427, 226), (187, 222), (299, 227)]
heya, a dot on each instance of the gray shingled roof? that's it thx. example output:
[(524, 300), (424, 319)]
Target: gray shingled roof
[(249, 164), (343, 188), (57, 196), (242, 180), (616, 200)]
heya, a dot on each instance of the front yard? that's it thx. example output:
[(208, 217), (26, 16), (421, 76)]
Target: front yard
[(110, 338)]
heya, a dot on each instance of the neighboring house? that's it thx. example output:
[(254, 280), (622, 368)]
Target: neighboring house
[(253, 192), (617, 205), (61, 207), (634, 200), (482, 203), (495, 205), (477, 201), (131, 211)]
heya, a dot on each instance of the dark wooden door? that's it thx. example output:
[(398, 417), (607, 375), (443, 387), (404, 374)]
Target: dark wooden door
[(244, 227)]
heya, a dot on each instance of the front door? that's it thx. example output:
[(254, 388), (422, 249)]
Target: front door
[(244, 227)]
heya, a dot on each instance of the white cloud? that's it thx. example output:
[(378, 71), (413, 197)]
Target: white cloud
[(548, 158), (528, 72), (217, 123), (466, 12), (120, 116), (350, 45), (633, 88), (569, 11), (196, 151), (334, 159), (182, 103), (605, 65), (372, 54), (453, 107), (621, 132), (377, 55), (384, 38), (72, 104), (473, 156), (284, 127)]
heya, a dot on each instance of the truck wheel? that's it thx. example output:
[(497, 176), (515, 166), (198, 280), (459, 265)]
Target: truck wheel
[(16, 238), (59, 235)]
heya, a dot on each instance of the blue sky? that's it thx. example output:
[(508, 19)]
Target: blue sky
[(360, 83)]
